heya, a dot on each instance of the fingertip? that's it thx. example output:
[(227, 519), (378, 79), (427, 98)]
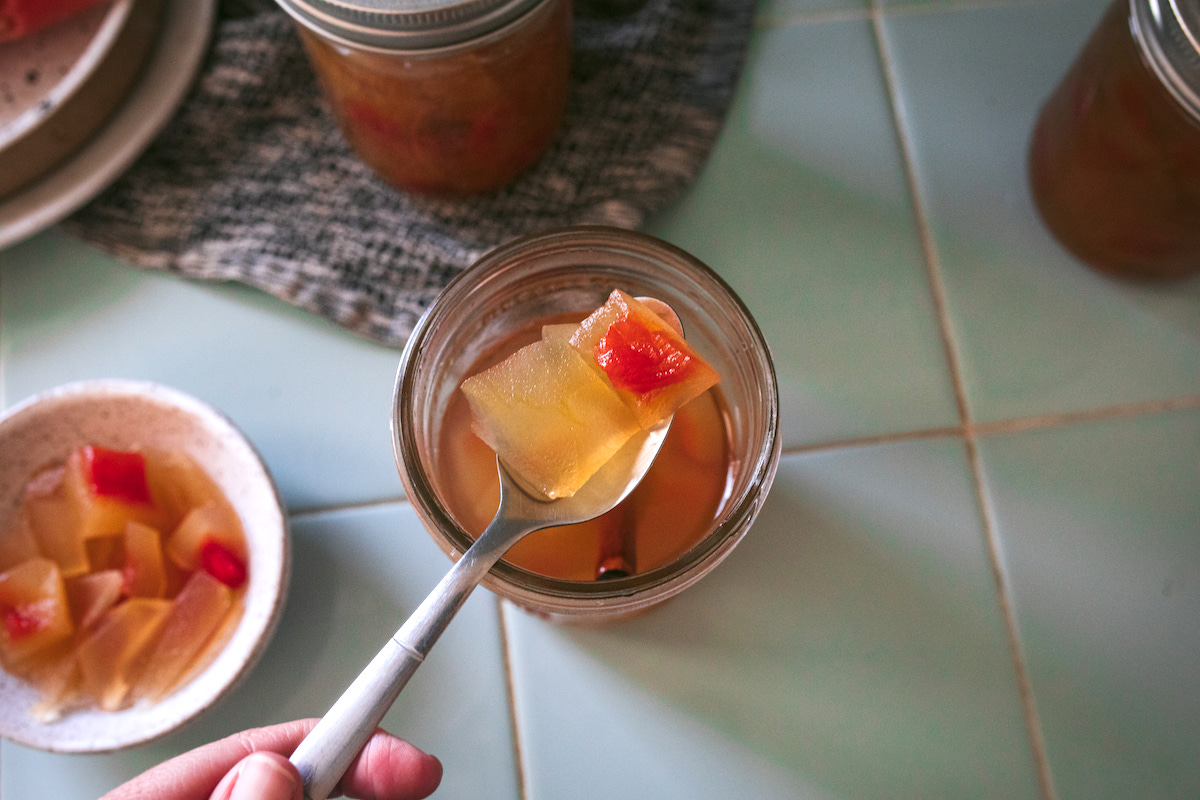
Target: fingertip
[(433, 774), (423, 778), (261, 776), (389, 768)]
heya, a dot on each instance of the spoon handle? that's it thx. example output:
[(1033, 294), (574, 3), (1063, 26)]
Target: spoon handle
[(325, 754)]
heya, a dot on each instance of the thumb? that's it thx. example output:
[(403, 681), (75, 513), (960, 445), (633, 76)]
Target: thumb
[(260, 776)]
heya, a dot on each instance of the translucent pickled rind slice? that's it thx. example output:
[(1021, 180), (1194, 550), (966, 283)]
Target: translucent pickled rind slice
[(34, 614), (51, 517), (116, 474), (656, 405), (562, 331), (145, 573), (102, 516), (110, 657), (549, 416), (105, 552), (82, 635), (93, 594), (196, 614), (18, 544), (178, 484), (211, 522), (58, 682)]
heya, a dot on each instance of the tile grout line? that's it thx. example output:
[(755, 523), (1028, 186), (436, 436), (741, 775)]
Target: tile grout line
[(511, 690), (925, 235), (973, 429), (1120, 411), (1004, 426), (765, 20), (505, 650), (336, 508), (895, 8), (937, 289), (831, 445), (912, 8), (1024, 687)]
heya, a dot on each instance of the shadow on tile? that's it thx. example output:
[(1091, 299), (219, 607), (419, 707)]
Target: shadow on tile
[(357, 576), (805, 209), (1036, 332), (1099, 527), (853, 638)]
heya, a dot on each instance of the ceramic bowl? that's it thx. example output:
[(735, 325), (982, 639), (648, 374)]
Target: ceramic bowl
[(122, 414), (63, 83)]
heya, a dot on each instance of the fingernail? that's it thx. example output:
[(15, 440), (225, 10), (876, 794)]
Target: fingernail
[(262, 778)]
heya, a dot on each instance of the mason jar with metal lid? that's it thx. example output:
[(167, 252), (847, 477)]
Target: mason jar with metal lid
[(1115, 156), (442, 97)]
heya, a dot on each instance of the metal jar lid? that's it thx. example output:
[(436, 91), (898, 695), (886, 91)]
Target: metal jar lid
[(1168, 32), (391, 25)]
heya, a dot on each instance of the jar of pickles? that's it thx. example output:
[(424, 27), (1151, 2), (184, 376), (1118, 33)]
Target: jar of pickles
[(442, 97), (707, 484), (1115, 156)]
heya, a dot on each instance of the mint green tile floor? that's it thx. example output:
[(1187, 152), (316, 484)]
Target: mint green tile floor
[(977, 574)]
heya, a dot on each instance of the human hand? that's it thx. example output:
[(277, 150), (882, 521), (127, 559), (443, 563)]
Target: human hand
[(253, 765)]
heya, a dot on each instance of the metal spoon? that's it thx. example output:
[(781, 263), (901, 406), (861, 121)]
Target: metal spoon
[(327, 751)]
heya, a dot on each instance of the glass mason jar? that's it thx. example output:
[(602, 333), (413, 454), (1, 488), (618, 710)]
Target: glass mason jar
[(572, 271), (437, 97), (1115, 156)]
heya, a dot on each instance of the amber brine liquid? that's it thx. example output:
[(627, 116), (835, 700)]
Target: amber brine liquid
[(1115, 162), (670, 511), (454, 121)]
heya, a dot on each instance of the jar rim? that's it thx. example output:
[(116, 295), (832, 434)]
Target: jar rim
[(567, 596), (1168, 34), (397, 25)]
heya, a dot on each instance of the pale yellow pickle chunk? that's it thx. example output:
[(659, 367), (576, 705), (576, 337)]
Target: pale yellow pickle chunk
[(549, 415)]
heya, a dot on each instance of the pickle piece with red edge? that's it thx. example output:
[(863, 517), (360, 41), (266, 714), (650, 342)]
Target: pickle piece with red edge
[(210, 538), (643, 357), (34, 613), (109, 489)]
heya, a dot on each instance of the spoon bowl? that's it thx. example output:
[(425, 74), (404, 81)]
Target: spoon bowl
[(325, 754)]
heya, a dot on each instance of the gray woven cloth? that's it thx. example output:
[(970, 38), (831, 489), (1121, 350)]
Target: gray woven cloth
[(252, 182)]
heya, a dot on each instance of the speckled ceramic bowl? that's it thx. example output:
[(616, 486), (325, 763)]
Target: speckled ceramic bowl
[(126, 414), (59, 86)]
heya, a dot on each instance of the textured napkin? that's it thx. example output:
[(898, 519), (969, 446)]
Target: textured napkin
[(252, 182)]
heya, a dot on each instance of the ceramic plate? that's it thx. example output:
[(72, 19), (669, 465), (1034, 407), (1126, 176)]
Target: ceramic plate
[(176, 57), (60, 85)]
